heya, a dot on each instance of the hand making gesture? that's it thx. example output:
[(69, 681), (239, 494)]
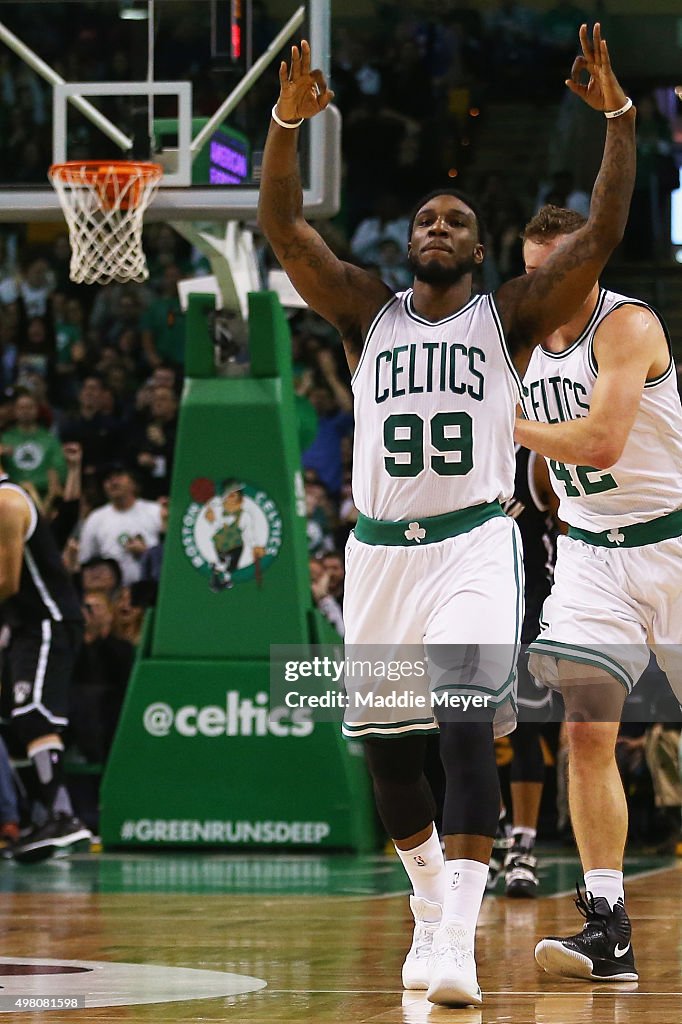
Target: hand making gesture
[(303, 93), (603, 91)]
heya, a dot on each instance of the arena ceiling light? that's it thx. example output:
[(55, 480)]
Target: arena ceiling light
[(133, 10)]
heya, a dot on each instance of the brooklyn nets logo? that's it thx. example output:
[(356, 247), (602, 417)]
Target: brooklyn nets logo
[(231, 531)]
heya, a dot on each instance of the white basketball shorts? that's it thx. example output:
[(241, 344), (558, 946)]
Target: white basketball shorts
[(457, 603), (608, 606)]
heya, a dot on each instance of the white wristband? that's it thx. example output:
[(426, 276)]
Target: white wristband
[(617, 113), (295, 124)]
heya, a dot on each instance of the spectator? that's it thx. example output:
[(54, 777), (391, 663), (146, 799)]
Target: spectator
[(662, 754), (334, 566), (372, 141), (68, 318), (560, 190), (60, 261), (7, 401), (122, 529), (163, 324), (68, 507), (96, 432), (333, 404), (393, 269), (646, 234), (31, 454), (31, 290), (154, 447), (165, 376), (35, 353), (348, 513), (387, 221), (150, 567), (127, 316), (103, 575), (107, 305), (324, 602), (164, 247), (319, 525), (100, 679), (128, 617)]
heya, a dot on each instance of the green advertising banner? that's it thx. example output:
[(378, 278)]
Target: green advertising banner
[(200, 757), (221, 767)]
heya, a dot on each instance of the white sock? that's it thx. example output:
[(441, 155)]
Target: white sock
[(465, 886), (524, 837), (607, 883), (425, 868)]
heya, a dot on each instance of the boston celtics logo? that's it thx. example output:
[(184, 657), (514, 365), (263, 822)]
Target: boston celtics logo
[(231, 532)]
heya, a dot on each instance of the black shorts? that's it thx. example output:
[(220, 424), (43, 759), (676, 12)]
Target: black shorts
[(38, 669)]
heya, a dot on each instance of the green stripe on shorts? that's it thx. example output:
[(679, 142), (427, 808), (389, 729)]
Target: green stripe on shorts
[(583, 656)]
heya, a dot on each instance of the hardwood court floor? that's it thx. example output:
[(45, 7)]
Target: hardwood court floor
[(327, 939)]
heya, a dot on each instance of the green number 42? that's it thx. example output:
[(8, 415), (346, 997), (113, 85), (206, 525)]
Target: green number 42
[(589, 480)]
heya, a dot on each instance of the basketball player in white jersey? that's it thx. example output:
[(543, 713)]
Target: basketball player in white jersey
[(603, 394), (433, 560)]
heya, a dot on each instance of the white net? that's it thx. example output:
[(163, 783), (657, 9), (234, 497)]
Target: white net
[(104, 206)]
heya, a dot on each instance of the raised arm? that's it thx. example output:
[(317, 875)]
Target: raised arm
[(532, 307), (344, 295)]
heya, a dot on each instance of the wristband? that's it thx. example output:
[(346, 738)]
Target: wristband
[(617, 113), (295, 124)]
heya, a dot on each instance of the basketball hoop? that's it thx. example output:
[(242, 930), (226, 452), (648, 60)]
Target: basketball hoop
[(104, 205)]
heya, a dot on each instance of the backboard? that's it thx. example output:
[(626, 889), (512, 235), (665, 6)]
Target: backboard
[(148, 79)]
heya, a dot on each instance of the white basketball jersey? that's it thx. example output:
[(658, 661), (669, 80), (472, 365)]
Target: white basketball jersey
[(646, 482), (434, 412)]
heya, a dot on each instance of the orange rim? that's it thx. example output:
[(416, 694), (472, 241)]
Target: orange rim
[(93, 171), (120, 184)]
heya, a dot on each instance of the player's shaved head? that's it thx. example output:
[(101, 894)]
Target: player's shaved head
[(462, 196)]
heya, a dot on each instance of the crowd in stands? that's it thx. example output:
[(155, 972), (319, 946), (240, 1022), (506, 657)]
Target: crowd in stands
[(90, 377)]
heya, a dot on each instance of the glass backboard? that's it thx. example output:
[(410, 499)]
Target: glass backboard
[(144, 79)]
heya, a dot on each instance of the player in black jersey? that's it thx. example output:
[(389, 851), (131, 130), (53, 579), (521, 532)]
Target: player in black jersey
[(41, 607), (533, 506)]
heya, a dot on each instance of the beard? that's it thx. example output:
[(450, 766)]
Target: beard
[(434, 271)]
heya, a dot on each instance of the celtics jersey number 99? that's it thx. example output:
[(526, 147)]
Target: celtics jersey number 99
[(434, 412), (646, 481)]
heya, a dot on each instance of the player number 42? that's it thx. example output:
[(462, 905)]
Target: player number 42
[(581, 480)]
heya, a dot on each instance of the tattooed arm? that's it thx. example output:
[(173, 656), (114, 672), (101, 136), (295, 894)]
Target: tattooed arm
[(346, 296), (534, 306)]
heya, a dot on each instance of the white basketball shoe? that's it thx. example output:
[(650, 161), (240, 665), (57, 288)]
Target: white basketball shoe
[(452, 968), (426, 919)]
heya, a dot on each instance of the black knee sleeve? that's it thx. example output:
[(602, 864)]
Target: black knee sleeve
[(403, 796), (528, 764), (472, 787)]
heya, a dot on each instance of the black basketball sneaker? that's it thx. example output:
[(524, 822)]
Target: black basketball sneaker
[(520, 874), (502, 844), (57, 836), (602, 951)]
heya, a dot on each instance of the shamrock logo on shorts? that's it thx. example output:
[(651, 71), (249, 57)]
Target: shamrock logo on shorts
[(415, 532), (615, 536)]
